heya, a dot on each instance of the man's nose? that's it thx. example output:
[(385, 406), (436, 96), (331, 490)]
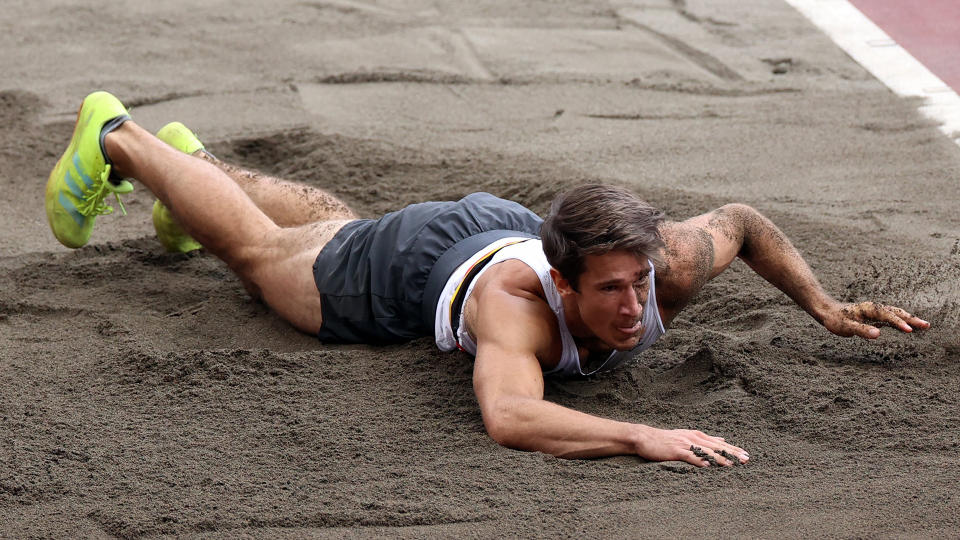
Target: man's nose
[(631, 304)]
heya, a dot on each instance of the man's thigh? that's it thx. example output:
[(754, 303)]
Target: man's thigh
[(283, 275)]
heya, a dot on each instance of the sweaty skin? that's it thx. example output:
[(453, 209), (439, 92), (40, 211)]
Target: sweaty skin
[(603, 314)]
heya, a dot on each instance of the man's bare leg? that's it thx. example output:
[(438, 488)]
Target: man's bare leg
[(288, 204), (274, 263)]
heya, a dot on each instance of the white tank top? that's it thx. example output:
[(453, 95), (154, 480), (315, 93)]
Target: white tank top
[(530, 252)]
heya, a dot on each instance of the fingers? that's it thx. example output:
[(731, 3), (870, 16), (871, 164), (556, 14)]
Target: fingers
[(866, 331), (696, 456), (691, 446), (891, 315), (727, 452), (705, 457), (915, 322), (716, 451), (852, 328), (849, 323)]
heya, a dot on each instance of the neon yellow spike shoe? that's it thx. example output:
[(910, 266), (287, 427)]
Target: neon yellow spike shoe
[(170, 233), (81, 178), (178, 136)]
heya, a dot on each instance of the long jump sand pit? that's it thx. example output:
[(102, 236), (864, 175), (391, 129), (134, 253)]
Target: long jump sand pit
[(143, 393)]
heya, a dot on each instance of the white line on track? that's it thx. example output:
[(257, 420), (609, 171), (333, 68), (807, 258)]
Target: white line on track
[(873, 49)]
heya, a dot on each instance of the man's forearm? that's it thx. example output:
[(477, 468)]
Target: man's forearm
[(542, 426), (771, 255), (537, 425)]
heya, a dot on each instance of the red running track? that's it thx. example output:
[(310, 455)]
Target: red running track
[(928, 29)]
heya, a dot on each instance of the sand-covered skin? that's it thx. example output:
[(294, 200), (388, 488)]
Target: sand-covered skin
[(143, 393)]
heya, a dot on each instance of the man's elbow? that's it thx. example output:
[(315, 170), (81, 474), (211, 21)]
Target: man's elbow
[(750, 225), (740, 210), (504, 425)]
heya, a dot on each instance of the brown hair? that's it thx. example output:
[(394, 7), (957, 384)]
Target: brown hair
[(594, 219)]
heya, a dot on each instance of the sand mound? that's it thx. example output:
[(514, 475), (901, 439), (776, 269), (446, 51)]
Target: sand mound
[(151, 378)]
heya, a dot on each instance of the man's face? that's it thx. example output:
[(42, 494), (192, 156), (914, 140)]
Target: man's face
[(612, 292)]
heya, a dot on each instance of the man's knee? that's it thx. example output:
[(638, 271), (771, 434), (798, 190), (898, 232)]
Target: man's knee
[(252, 289), (246, 267), (254, 261), (288, 287)]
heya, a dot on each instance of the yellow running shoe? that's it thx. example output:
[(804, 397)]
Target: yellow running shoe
[(178, 136), (81, 178), (170, 233)]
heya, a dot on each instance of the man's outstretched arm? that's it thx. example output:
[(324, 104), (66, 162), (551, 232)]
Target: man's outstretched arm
[(739, 230), (508, 382)]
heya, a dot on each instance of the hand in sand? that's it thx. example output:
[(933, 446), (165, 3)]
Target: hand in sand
[(691, 446), (858, 319)]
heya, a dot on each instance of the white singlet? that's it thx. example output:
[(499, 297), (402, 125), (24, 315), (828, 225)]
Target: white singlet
[(530, 252)]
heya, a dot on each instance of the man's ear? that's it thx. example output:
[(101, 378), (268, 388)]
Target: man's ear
[(563, 285)]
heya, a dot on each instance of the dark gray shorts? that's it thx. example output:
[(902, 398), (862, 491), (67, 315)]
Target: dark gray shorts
[(380, 280)]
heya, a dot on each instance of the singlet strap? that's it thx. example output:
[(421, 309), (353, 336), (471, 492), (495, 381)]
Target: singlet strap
[(460, 293)]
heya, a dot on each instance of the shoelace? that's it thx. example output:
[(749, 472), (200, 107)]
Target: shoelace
[(93, 204)]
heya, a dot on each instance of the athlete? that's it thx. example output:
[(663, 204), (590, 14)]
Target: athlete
[(582, 291)]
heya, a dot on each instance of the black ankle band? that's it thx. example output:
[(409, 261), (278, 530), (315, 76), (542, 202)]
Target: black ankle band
[(111, 125)]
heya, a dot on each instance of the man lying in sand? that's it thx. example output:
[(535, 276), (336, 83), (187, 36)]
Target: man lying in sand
[(597, 281)]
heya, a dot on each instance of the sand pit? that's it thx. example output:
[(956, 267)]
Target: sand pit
[(144, 394)]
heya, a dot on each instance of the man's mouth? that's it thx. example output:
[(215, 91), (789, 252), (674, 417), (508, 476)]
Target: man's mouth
[(630, 330)]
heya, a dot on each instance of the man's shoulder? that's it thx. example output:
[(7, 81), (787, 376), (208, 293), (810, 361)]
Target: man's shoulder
[(515, 277), (508, 299), (687, 260), (513, 288), (686, 247)]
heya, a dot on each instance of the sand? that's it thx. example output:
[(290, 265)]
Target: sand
[(143, 393)]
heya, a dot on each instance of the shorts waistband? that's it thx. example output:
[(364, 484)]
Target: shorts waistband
[(451, 259)]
